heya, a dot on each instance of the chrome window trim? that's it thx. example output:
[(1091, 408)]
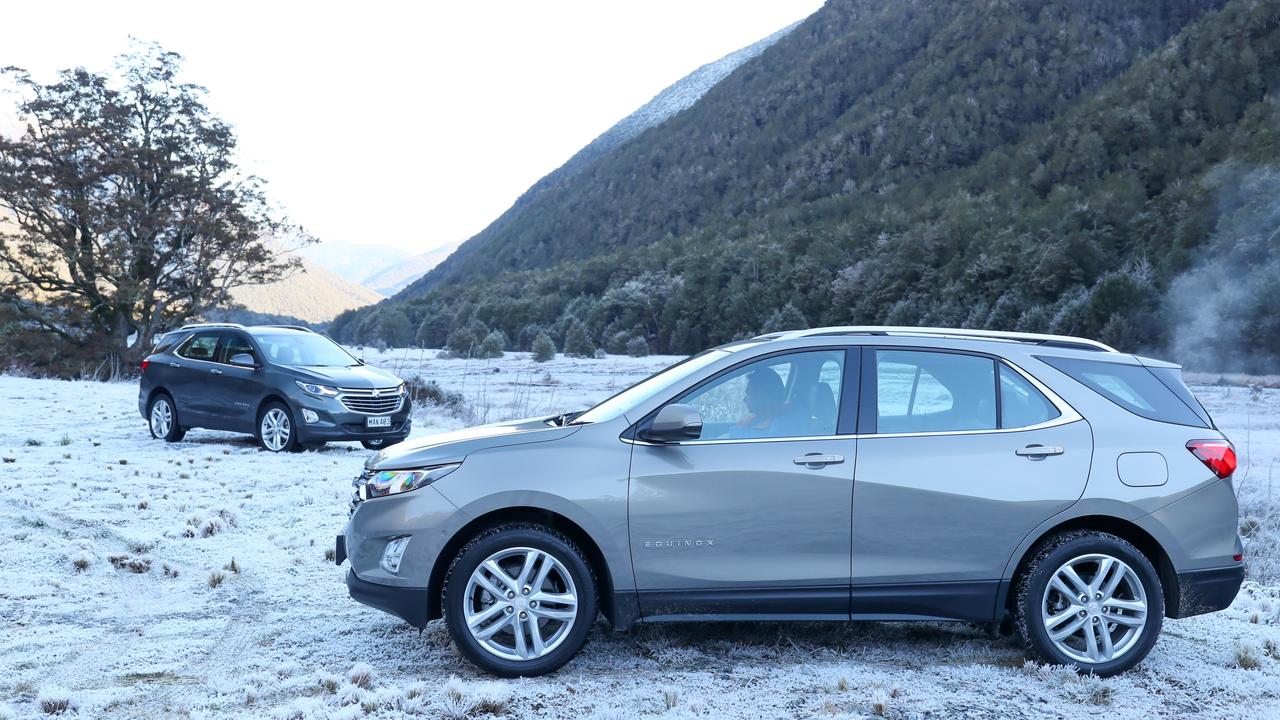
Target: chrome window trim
[(1058, 421), (1066, 416)]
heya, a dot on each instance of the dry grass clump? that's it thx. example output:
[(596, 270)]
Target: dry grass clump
[(132, 563), (216, 578), (1248, 655)]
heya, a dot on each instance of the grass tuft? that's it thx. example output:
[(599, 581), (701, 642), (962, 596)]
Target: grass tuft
[(216, 578)]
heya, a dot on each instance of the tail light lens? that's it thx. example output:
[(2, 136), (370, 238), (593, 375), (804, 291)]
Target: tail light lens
[(145, 363), (1217, 455)]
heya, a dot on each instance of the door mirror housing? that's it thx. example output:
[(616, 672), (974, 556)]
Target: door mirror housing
[(674, 423), (244, 360)]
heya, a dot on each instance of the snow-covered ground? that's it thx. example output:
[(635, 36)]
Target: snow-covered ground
[(119, 599)]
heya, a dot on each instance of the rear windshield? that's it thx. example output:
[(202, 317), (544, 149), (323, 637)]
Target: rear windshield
[(1136, 389)]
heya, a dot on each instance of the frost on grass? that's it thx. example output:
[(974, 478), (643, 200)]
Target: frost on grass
[(282, 639)]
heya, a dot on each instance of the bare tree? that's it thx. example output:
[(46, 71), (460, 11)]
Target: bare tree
[(122, 209)]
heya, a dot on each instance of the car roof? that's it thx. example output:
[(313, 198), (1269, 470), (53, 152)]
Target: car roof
[(1067, 342)]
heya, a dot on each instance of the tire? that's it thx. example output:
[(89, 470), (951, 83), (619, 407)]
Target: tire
[(1129, 613), (169, 431), (274, 418), (381, 443), (563, 630)]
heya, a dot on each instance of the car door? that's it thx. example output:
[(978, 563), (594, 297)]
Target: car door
[(960, 456), (190, 371), (737, 522), (238, 388)]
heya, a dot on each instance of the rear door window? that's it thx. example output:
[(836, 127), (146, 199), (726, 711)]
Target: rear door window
[(921, 391), (201, 346), (1132, 387), (1021, 404)]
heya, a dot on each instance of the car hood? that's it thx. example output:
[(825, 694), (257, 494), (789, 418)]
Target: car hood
[(454, 446), (356, 376)]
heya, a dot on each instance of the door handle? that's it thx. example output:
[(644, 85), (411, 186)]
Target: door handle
[(174, 364), (216, 371), (1038, 452), (817, 459)]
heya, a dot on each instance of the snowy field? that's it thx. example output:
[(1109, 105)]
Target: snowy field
[(146, 580)]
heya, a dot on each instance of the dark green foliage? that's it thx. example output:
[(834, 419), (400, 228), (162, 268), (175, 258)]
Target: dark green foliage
[(462, 343), (544, 348), (577, 342), (1034, 166), (493, 345), (637, 347)]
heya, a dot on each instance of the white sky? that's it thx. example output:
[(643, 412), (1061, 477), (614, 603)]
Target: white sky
[(410, 124)]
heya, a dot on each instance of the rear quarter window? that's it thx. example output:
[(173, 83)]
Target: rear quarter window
[(1132, 387)]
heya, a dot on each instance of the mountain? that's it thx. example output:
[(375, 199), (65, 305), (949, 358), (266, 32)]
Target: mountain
[(395, 277), (353, 262), (1056, 165), (313, 294)]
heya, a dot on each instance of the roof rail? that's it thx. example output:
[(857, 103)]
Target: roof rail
[(1062, 341), (287, 327), (190, 326)]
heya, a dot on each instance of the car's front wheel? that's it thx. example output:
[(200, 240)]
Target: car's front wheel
[(162, 418), (520, 600), (1090, 600), (276, 430), (380, 443)]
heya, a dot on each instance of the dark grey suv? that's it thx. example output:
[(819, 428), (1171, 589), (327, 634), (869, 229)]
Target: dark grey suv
[(288, 386)]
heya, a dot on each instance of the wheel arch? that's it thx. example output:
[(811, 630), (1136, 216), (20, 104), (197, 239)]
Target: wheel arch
[(1124, 529), (264, 402), (618, 613)]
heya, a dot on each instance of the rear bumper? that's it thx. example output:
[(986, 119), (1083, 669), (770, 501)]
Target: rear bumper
[(407, 603), (1206, 591)]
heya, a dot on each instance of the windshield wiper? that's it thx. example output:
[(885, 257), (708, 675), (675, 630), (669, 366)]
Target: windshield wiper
[(564, 419)]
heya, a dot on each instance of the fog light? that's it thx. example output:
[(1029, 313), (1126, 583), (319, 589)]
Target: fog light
[(310, 416), (392, 553)]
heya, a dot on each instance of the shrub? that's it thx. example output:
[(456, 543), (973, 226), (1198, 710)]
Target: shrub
[(544, 348), (578, 342), (461, 343), (637, 347), (493, 345)]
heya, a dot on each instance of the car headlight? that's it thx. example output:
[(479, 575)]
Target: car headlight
[(402, 390), (317, 390), (394, 482)]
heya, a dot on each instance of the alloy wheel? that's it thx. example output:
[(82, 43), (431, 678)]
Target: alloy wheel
[(275, 429), (520, 603), (161, 418), (1094, 608)]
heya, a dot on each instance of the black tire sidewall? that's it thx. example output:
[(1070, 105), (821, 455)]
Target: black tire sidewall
[(498, 539), (293, 444), (1051, 558)]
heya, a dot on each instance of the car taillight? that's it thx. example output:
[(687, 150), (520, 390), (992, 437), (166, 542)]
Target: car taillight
[(145, 363), (1217, 455)]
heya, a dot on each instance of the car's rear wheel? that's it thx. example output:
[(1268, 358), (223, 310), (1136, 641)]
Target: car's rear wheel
[(162, 419), (1090, 600), (520, 600), (276, 429)]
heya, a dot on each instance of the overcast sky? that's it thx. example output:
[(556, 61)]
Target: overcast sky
[(410, 124)]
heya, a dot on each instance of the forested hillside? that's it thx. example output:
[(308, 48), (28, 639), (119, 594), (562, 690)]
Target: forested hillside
[(1045, 166)]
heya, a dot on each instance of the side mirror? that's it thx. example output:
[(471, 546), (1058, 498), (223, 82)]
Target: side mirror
[(674, 423), (244, 360)]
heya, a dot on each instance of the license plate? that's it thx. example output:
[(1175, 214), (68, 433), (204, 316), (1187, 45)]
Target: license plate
[(377, 422)]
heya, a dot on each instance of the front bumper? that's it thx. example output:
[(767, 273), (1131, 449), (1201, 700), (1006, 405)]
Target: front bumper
[(1206, 591), (341, 427), (407, 603)]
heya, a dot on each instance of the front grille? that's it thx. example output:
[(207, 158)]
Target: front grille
[(375, 401)]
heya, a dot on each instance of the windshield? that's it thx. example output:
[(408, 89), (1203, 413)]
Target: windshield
[(624, 401), (304, 350)]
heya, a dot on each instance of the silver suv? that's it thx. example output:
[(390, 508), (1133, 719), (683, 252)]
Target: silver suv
[(1049, 485)]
